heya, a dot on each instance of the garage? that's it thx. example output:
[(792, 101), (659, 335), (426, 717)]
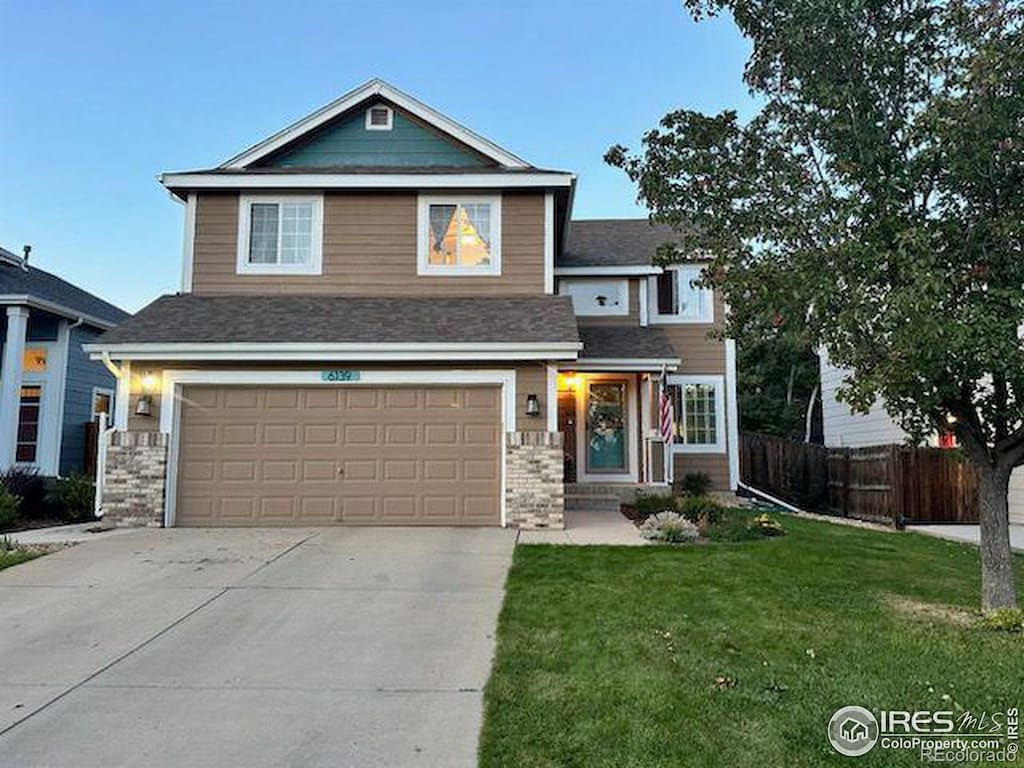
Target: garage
[(339, 455)]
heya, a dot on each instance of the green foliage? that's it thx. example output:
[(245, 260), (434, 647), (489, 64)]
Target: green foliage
[(697, 483), (670, 528), (777, 379), (700, 509), (9, 504), (73, 497), (1004, 620), (768, 525), (872, 207), (28, 485), (648, 504)]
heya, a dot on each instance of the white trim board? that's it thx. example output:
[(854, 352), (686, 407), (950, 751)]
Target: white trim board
[(354, 98), (645, 364), (12, 300), (257, 180), (315, 264), (188, 240), (625, 271), (719, 446), (314, 352), (549, 243), (173, 380), (732, 426)]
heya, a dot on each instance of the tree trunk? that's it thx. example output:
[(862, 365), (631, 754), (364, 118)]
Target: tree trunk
[(998, 588), (809, 415)]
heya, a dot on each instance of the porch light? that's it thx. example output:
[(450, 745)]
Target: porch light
[(532, 405), (568, 381), (148, 381)]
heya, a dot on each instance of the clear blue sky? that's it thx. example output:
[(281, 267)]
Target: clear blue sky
[(98, 98)]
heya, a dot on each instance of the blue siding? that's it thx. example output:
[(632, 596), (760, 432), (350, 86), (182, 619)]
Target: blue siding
[(348, 143), (82, 375)]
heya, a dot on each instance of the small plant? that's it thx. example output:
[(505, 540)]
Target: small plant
[(30, 488), (697, 483), (669, 527), (648, 504), (9, 505), (768, 526), (702, 510), (1004, 620), (73, 497)]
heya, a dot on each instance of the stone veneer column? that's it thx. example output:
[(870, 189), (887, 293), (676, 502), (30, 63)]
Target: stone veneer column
[(534, 480), (135, 478)]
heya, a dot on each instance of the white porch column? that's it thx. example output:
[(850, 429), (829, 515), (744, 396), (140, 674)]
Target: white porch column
[(10, 382)]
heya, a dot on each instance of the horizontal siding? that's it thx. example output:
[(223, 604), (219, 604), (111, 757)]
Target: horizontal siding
[(1016, 496), (716, 466), (82, 375), (700, 353), (845, 429), (369, 249)]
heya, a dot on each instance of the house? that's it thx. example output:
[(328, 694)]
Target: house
[(49, 389), (386, 318), (845, 429)]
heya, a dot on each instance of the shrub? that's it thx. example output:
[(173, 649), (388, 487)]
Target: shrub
[(1004, 620), (648, 504), (9, 504), (73, 497), (702, 510), (670, 527), (768, 526), (30, 487), (697, 483)]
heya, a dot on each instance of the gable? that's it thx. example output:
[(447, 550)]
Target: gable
[(346, 142)]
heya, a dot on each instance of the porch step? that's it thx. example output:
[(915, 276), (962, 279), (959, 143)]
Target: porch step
[(592, 503), (624, 492)]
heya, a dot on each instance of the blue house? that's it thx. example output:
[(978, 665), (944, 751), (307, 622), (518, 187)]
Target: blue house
[(49, 389)]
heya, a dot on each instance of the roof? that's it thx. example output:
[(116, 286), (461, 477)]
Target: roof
[(19, 283), (191, 319), (615, 242), (623, 342)]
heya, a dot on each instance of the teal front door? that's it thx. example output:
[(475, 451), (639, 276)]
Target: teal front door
[(606, 427)]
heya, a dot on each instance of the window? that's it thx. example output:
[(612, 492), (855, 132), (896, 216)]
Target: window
[(34, 360), (279, 235), (102, 402), (27, 445), (700, 413), (459, 236), (678, 299), (379, 118), (597, 297)]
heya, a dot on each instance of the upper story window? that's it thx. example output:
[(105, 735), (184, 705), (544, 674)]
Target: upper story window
[(678, 298), (280, 235), (379, 118), (459, 235), (592, 298)]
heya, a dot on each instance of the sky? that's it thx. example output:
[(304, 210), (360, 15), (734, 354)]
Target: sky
[(98, 98)]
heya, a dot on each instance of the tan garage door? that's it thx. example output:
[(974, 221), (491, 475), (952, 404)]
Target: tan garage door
[(344, 455)]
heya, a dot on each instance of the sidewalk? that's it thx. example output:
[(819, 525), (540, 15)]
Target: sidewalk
[(968, 534), (587, 528), (65, 534)]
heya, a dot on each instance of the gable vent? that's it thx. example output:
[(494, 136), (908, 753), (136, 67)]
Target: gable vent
[(379, 118)]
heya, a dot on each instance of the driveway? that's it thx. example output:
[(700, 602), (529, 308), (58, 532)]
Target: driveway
[(969, 534), (328, 647)]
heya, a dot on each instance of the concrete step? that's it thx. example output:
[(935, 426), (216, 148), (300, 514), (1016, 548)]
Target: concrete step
[(592, 503)]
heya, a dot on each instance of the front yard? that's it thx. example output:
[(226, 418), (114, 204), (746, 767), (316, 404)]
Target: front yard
[(736, 654)]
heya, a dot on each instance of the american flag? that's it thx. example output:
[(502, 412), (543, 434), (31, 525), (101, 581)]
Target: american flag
[(667, 416)]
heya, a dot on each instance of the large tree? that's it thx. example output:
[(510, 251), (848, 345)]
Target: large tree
[(876, 197)]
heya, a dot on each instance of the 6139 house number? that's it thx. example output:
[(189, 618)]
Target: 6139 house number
[(339, 375)]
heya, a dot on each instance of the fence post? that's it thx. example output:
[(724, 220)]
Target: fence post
[(846, 482), (896, 476)]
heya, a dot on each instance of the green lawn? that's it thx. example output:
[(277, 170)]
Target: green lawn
[(609, 656), (15, 556)]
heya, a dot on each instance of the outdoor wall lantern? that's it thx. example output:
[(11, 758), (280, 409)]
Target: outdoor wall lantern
[(532, 405)]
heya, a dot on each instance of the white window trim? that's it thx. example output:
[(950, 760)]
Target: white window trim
[(387, 126), (718, 382), (658, 319), (315, 265), (423, 266), (92, 405), (621, 310)]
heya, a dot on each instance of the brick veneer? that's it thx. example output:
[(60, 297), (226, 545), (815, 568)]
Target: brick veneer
[(534, 474), (133, 484)]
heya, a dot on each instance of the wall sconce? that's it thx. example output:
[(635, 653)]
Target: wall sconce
[(145, 406), (568, 382), (532, 405), (148, 381)]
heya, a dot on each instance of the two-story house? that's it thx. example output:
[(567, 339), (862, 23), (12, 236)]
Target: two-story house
[(385, 318)]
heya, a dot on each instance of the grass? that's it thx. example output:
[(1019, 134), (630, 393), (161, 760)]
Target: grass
[(12, 554), (736, 654)]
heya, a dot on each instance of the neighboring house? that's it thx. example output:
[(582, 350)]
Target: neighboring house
[(385, 318), (845, 429), (49, 388)]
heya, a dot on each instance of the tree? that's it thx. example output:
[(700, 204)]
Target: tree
[(875, 197)]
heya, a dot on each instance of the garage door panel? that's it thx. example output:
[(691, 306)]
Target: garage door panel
[(271, 455)]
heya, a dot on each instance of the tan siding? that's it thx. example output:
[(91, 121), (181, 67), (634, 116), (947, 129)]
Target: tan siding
[(700, 354), (530, 378), (369, 248), (714, 465)]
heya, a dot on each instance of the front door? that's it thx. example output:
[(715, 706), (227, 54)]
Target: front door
[(606, 416)]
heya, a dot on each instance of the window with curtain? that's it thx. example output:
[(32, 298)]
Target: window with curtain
[(460, 236), (680, 298), (279, 235)]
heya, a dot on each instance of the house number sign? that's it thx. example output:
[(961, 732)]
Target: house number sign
[(339, 375)]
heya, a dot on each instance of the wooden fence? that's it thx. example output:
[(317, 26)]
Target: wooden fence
[(892, 484)]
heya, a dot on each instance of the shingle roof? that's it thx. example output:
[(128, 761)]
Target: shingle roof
[(623, 342), (188, 318), (36, 283), (615, 242)]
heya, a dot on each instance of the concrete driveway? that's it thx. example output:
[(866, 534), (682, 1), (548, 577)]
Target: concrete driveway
[(330, 647)]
